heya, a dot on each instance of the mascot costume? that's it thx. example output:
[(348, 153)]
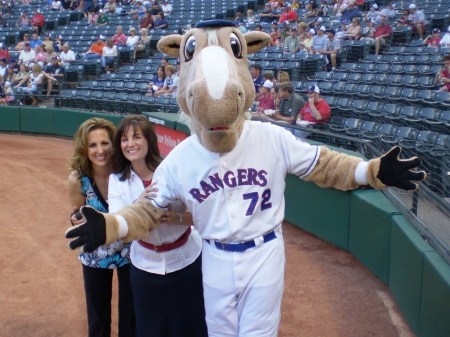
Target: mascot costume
[(230, 174)]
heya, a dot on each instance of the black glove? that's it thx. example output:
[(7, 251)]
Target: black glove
[(90, 234), (399, 172)]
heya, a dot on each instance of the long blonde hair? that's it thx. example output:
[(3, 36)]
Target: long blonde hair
[(79, 161)]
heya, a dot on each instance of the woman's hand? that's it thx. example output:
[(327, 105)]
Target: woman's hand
[(76, 218), (150, 192)]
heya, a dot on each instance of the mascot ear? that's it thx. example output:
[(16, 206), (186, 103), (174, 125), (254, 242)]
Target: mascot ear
[(256, 41), (170, 45)]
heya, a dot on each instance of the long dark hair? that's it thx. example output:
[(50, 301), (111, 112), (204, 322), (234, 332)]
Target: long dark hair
[(122, 165)]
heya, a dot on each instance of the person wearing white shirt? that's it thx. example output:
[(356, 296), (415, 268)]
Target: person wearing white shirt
[(166, 8), (445, 41), (133, 38), (109, 54), (56, 5), (67, 56), (165, 275), (27, 55)]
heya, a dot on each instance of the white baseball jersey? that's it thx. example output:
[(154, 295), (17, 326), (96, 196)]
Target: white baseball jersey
[(239, 195)]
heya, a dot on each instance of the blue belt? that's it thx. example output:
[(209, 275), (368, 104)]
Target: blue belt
[(242, 246)]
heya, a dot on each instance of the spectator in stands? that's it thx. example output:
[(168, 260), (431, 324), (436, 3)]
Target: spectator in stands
[(275, 4), (239, 19), (34, 81), (445, 41), (417, 20), (382, 33), (339, 7), (56, 5), (295, 5), (164, 61), (27, 54), (4, 53), (373, 13), (23, 21), (316, 110), (251, 17), (259, 28), (312, 10), (38, 21), (96, 49), (3, 67), (282, 77), (14, 65), (94, 7), (342, 32), (316, 23), (368, 31), (157, 82), (67, 56), (58, 43), (352, 11), (138, 12), (265, 100), (132, 39), (267, 15), (302, 28), (75, 5), (290, 104), (103, 18), (275, 42), (109, 56), (434, 39), (258, 80), (307, 42), (292, 43), (10, 75), (143, 43), (354, 30), (39, 55), (166, 8), (23, 72), (443, 77), (56, 70), (35, 40), (50, 54), (276, 29), (333, 49), (47, 41), (3, 21), (119, 38), (8, 94), (169, 88), (110, 7), (154, 10), (389, 11), (161, 22), (147, 21), (92, 16), (319, 42), (288, 14)]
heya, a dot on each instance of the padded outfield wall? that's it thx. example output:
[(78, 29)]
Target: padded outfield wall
[(362, 222)]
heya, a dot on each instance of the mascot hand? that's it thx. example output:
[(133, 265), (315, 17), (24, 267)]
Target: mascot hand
[(398, 172), (90, 234)]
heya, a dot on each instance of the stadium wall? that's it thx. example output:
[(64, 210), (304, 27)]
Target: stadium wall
[(362, 222)]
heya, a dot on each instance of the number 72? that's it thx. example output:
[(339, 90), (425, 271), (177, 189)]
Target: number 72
[(254, 197)]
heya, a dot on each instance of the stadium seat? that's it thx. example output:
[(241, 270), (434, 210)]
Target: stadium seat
[(367, 127), (363, 90)]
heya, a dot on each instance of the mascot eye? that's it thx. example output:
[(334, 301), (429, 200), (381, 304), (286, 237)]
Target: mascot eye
[(236, 46), (189, 49)]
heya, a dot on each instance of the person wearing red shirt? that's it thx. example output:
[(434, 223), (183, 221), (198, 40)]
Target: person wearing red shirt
[(434, 39), (316, 109), (443, 77), (38, 20), (4, 53), (265, 99), (119, 37), (382, 32), (288, 15)]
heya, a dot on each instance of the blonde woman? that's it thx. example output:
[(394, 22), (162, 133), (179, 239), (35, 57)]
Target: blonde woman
[(143, 43), (354, 30), (34, 81)]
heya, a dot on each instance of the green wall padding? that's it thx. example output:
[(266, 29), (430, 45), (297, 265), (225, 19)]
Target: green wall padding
[(10, 119), (86, 115), (65, 122), (322, 212), (35, 120), (370, 230), (435, 306), (405, 277)]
